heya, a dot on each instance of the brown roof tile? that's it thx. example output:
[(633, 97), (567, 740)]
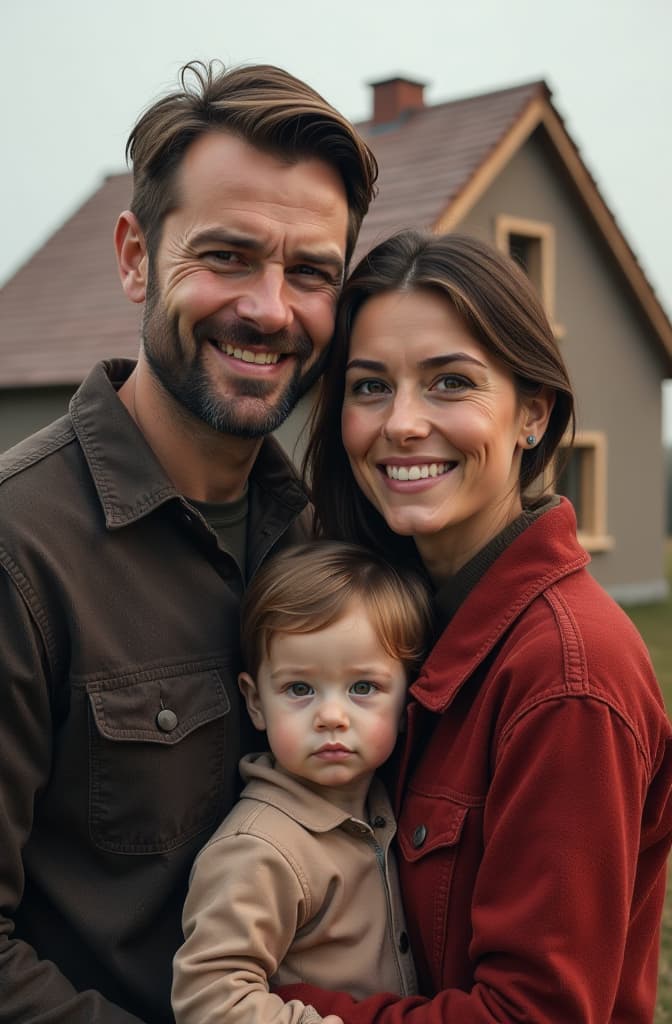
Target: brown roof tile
[(431, 155), (65, 309)]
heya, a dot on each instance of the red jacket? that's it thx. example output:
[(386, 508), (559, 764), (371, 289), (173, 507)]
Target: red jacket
[(536, 817)]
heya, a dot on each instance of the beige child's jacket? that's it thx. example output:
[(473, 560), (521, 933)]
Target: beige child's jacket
[(290, 889)]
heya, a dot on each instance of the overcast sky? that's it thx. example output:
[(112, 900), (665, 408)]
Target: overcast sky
[(77, 72)]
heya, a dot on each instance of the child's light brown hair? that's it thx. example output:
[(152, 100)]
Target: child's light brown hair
[(307, 587)]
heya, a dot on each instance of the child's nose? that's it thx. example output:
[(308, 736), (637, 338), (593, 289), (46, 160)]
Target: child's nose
[(331, 714)]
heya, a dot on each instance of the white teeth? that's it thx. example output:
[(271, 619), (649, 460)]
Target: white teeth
[(420, 472), (248, 356)]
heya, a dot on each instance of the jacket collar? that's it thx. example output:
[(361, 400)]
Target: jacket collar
[(544, 553), (265, 782), (129, 480)]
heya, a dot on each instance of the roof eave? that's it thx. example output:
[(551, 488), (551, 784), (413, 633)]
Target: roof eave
[(539, 111)]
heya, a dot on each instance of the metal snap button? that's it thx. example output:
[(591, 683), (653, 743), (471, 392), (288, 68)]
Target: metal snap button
[(166, 720), (419, 836), (379, 821)]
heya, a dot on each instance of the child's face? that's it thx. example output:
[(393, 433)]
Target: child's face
[(330, 701)]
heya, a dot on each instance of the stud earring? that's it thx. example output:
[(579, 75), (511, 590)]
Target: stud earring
[(531, 440)]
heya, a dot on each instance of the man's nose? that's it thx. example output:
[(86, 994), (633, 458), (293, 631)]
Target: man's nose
[(264, 302)]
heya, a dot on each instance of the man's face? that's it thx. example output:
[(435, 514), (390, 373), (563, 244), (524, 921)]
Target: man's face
[(241, 293)]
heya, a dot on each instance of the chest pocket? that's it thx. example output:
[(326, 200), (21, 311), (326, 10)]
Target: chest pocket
[(162, 745), (429, 835)]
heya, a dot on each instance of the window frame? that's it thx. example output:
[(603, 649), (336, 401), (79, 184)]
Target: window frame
[(592, 516), (542, 232)]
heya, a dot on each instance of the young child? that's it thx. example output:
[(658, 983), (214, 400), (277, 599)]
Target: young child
[(298, 883)]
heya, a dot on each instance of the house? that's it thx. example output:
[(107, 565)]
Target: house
[(500, 166)]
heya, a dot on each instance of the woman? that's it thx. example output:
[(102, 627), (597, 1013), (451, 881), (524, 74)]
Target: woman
[(535, 817)]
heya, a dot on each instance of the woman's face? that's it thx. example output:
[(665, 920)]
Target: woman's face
[(433, 427)]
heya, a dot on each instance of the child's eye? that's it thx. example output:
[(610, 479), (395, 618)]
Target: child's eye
[(362, 688), (299, 689)]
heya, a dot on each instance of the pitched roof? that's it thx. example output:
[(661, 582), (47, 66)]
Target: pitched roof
[(64, 309), (427, 157)]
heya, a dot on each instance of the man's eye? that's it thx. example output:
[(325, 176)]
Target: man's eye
[(311, 276), (370, 387), (362, 688), (224, 256), (299, 689), (305, 268)]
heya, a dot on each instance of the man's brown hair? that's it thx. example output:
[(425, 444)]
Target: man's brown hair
[(307, 587), (265, 106)]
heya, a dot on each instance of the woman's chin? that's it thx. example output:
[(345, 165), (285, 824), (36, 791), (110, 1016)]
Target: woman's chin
[(411, 525)]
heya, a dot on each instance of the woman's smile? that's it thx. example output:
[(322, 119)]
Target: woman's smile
[(432, 423)]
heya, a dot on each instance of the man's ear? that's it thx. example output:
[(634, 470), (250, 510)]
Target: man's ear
[(248, 688), (131, 250), (537, 412)]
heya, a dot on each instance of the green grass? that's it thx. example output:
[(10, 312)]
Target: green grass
[(654, 622)]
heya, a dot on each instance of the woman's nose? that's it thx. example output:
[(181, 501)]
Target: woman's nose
[(405, 420)]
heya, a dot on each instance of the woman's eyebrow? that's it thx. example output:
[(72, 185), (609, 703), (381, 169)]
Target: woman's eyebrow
[(365, 364), (425, 364), (451, 357)]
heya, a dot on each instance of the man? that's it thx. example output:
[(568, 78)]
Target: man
[(129, 528)]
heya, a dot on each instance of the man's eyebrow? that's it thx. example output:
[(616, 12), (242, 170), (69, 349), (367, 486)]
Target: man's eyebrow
[(221, 239), (425, 364), (238, 240)]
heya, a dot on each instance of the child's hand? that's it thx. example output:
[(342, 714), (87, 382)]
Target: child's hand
[(331, 1018)]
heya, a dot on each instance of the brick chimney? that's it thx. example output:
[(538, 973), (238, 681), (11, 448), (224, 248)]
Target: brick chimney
[(394, 97)]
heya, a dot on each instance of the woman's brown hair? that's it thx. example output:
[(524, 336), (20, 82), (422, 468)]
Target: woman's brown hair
[(499, 307)]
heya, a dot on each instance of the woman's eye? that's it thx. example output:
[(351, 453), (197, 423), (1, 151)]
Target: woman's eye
[(299, 689), (362, 688), (370, 387), (451, 382)]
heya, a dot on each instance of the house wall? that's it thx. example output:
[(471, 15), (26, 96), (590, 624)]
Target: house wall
[(25, 410), (613, 362)]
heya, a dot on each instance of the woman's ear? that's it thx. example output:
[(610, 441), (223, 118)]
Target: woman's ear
[(536, 414), (131, 250), (248, 688)]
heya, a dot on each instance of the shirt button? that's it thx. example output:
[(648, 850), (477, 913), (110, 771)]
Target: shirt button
[(166, 720), (419, 836), (379, 821), (403, 943)]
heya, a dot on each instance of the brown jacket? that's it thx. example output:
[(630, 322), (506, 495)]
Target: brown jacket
[(290, 888), (120, 732)]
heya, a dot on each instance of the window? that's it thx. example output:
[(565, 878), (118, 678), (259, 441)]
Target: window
[(583, 479), (532, 244)]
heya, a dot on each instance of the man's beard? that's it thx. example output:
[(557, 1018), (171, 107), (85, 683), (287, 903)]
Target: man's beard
[(244, 412)]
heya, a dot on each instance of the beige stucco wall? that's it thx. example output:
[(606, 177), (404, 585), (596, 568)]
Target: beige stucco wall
[(613, 361), (25, 410), (612, 358)]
